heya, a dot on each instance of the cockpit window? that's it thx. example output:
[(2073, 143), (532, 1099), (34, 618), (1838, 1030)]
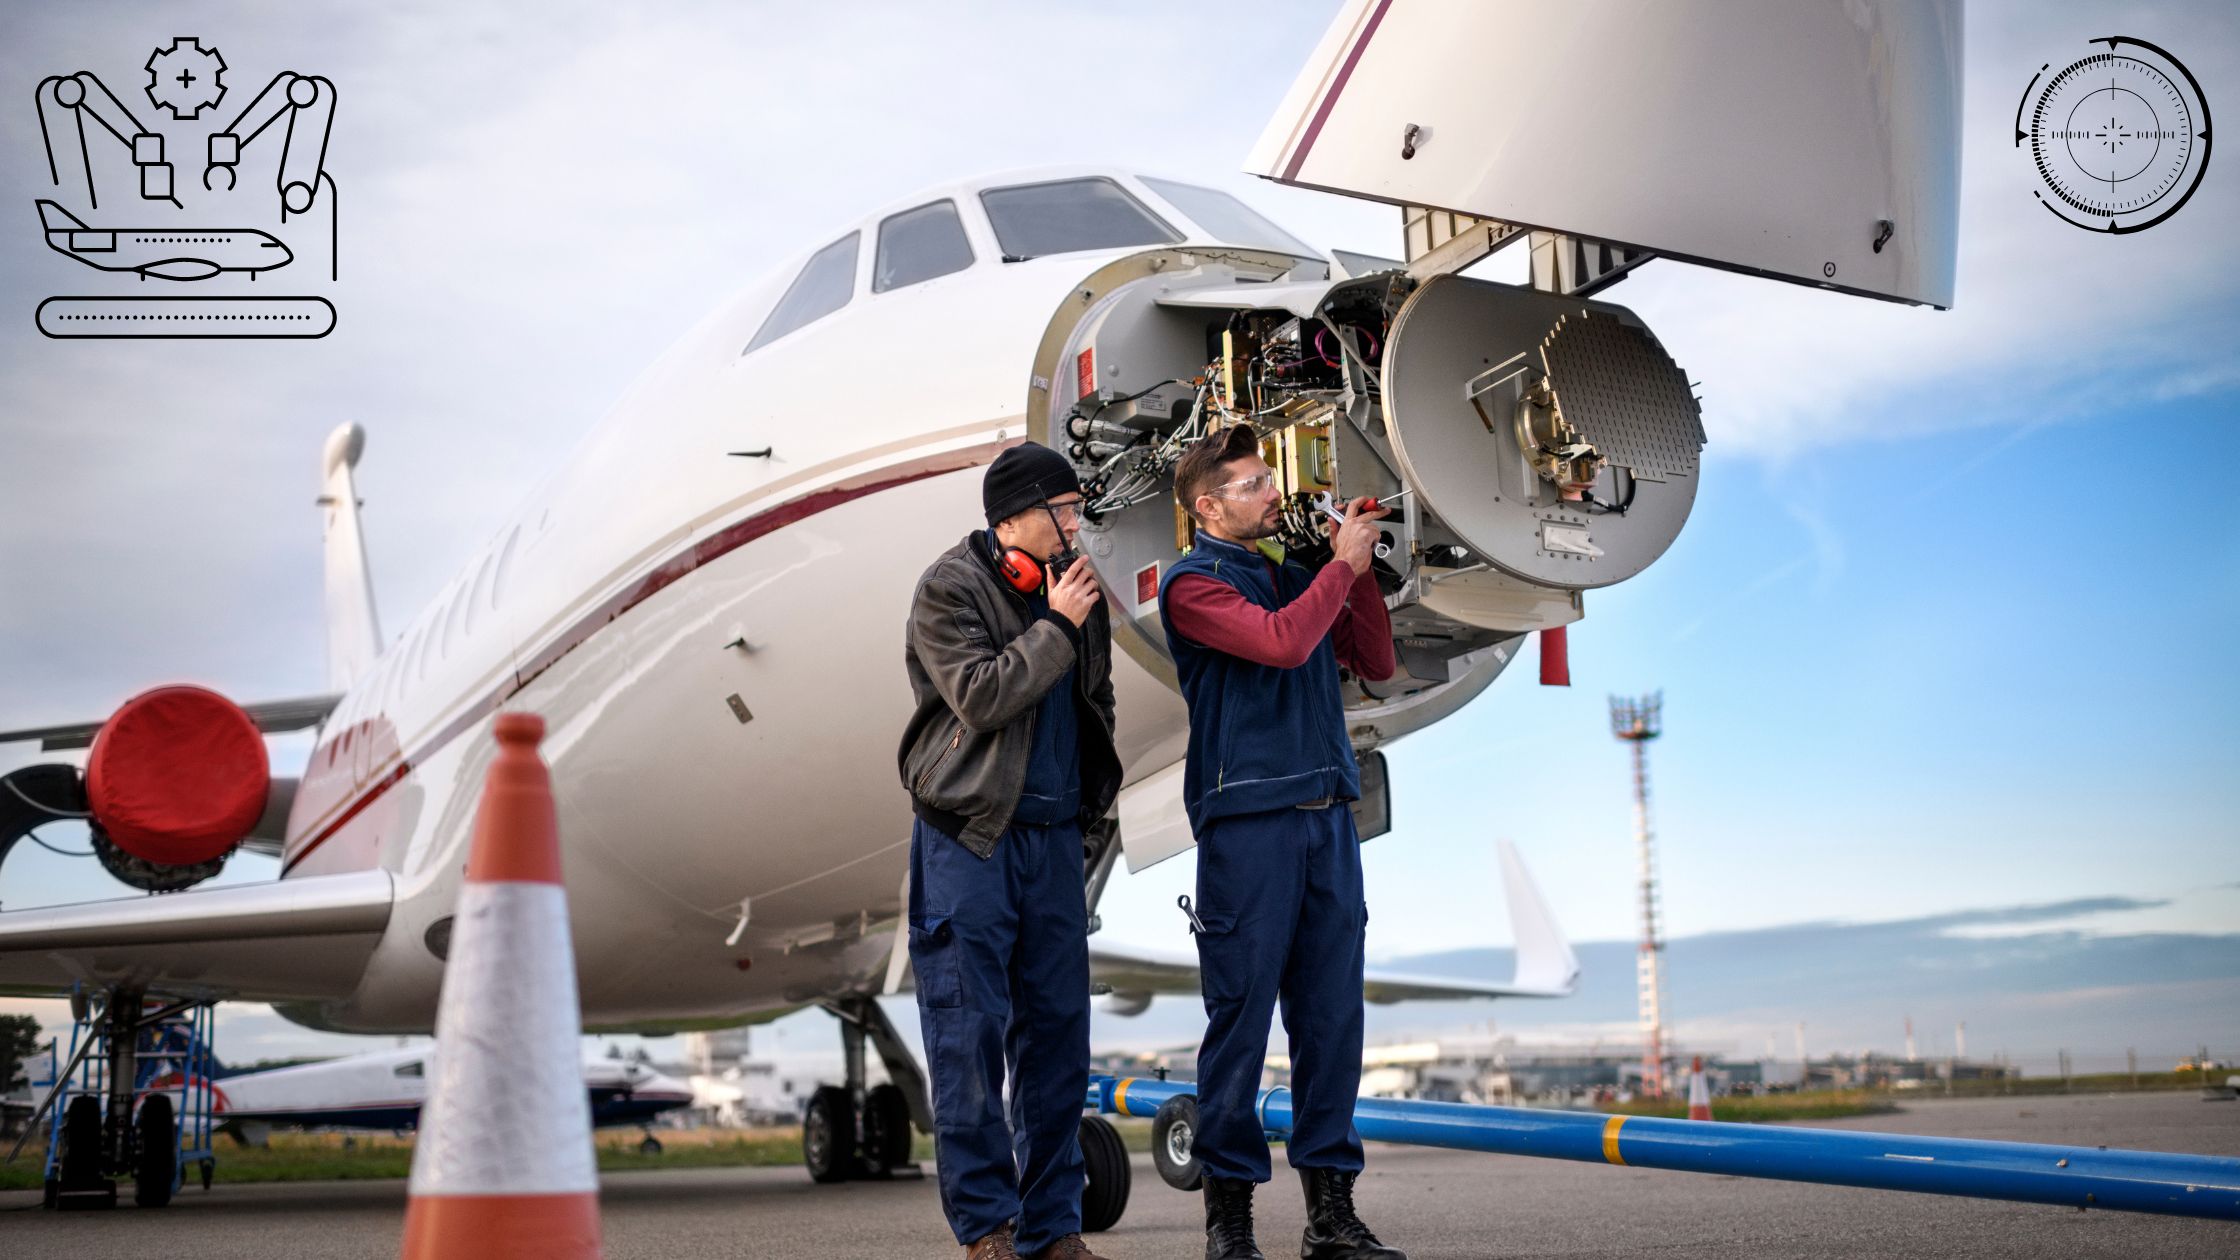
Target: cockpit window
[(412, 1069), (1067, 215), (919, 245), (1227, 219), (823, 287)]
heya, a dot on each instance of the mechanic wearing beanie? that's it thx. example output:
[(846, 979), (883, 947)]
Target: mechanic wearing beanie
[(1008, 757)]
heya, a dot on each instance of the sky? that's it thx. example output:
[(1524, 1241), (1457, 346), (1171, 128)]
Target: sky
[(1949, 631)]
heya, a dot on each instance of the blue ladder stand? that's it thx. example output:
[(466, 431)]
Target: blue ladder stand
[(149, 1134)]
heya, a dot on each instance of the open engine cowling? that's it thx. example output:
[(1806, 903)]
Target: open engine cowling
[(177, 777)]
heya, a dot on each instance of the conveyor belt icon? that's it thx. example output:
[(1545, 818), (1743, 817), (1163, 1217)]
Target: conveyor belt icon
[(185, 317)]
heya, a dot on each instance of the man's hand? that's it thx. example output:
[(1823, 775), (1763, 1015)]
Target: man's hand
[(1075, 594), (1355, 541)]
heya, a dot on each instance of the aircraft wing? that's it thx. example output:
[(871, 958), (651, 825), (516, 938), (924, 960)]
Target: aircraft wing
[(301, 939), (1545, 966)]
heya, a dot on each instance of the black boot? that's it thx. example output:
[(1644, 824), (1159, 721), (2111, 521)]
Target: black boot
[(1334, 1231), (1229, 1220)]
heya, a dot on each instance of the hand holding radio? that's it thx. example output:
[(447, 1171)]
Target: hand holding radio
[(1075, 593)]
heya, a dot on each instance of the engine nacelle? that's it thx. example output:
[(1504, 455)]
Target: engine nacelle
[(177, 777)]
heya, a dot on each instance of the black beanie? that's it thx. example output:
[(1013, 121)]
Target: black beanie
[(1024, 476)]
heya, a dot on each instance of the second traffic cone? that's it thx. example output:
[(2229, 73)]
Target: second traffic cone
[(1699, 1093), (504, 1166)]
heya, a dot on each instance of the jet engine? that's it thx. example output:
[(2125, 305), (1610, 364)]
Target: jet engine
[(178, 776)]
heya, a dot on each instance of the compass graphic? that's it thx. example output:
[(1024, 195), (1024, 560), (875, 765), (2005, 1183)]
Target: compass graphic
[(2120, 138)]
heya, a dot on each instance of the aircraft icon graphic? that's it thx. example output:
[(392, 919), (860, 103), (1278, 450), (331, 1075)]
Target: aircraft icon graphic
[(166, 253)]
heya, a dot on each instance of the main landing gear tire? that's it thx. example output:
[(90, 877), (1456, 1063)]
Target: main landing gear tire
[(650, 1146), (1174, 1132), (1104, 1162), (828, 1135), (886, 1130), (155, 1172)]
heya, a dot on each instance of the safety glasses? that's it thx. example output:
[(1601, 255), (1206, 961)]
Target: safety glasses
[(1244, 487)]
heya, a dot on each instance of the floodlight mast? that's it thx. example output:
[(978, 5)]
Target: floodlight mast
[(1637, 721)]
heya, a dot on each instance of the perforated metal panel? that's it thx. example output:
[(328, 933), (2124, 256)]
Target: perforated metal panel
[(1623, 393)]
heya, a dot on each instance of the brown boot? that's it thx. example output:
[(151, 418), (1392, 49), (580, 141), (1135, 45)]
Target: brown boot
[(995, 1246), (1069, 1247)]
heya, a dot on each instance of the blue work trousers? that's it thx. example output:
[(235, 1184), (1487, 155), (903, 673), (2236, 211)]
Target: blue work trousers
[(1000, 950), (1283, 919)]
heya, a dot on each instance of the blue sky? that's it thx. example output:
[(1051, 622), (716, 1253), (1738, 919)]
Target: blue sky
[(1950, 628)]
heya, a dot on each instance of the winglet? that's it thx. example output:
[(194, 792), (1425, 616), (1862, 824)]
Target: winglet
[(353, 631), (1545, 963), (49, 212)]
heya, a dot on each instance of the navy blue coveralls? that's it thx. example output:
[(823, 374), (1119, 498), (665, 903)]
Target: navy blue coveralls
[(1279, 886), (1001, 952)]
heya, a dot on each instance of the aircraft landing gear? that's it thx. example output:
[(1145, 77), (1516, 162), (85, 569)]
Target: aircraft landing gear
[(651, 1145), (856, 1132), (135, 1101)]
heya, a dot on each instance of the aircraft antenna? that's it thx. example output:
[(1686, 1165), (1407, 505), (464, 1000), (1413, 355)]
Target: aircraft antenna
[(1637, 721)]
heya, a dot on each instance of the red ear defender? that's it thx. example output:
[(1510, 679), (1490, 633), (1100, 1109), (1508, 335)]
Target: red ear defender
[(1021, 570)]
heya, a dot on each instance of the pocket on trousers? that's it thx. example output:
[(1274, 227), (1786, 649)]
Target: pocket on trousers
[(1224, 961), (936, 971)]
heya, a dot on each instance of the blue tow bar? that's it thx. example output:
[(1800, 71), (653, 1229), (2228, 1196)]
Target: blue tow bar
[(2066, 1176)]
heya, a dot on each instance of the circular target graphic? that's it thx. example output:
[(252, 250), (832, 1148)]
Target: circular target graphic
[(2119, 138)]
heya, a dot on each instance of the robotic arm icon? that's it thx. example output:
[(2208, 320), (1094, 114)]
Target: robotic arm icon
[(83, 93), (308, 103)]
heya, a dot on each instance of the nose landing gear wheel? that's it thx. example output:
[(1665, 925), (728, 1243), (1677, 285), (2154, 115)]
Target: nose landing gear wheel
[(1104, 1161)]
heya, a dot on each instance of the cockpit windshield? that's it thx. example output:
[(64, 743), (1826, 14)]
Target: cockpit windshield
[(1227, 219), (1068, 215)]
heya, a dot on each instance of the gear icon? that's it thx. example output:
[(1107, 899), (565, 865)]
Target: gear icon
[(186, 78)]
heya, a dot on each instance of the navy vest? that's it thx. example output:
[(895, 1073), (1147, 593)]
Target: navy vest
[(1260, 737)]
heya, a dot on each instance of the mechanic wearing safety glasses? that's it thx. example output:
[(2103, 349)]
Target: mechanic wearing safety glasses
[(1279, 913)]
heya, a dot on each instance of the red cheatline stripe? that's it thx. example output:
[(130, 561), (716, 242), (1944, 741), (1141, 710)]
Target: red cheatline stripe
[(1322, 112), (664, 575)]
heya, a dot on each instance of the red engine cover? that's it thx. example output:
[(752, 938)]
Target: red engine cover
[(178, 775)]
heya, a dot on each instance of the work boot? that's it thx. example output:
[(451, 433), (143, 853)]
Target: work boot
[(1229, 1220), (995, 1246), (1069, 1247), (1334, 1230)]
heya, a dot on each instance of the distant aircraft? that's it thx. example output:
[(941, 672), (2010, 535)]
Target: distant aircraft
[(165, 253), (384, 1090)]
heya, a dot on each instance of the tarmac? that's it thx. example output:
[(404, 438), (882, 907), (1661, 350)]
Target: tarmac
[(1434, 1204)]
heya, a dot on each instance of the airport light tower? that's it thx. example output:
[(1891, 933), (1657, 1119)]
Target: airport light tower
[(1637, 721)]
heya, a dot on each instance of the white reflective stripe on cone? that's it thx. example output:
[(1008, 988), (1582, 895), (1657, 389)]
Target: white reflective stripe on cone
[(507, 1112)]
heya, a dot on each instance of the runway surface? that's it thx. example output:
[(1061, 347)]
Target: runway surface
[(1433, 1203)]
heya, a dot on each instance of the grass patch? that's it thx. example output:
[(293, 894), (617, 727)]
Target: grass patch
[(1768, 1108)]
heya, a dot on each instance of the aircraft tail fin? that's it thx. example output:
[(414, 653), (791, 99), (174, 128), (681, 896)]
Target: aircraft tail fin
[(353, 629), (1545, 963), (57, 219)]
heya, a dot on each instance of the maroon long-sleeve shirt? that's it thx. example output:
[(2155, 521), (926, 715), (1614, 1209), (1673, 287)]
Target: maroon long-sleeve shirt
[(1336, 603)]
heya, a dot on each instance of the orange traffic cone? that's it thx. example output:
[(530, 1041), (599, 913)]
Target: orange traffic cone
[(504, 1166), (1699, 1093)]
